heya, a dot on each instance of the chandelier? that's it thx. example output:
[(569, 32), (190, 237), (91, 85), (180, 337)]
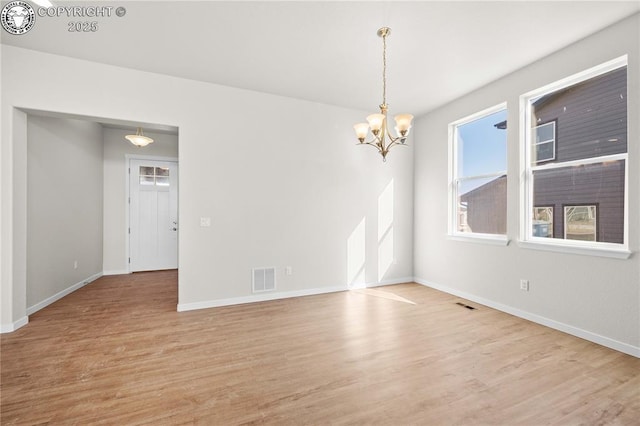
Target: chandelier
[(382, 138), (139, 139)]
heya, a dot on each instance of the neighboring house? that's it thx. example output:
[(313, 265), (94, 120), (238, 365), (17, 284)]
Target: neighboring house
[(486, 207), (584, 201)]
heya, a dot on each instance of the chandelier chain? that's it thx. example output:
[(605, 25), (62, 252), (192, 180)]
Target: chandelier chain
[(384, 69)]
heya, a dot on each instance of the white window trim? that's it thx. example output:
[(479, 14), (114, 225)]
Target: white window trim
[(593, 160), (452, 232), (573, 247), (475, 237), (527, 240)]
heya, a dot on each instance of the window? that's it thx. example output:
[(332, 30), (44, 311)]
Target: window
[(575, 160), (154, 176), (543, 222), (544, 142), (478, 177), (580, 223)]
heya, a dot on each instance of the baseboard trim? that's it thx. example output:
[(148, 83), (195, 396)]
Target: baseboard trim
[(116, 272), (393, 281), (182, 307), (9, 328), (547, 322), (49, 300), (264, 297)]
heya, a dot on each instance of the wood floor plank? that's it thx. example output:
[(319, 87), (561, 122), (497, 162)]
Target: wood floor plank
[(117, 352)]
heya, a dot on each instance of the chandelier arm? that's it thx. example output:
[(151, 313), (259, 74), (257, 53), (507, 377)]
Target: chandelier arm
[(379, 141), (393, 141), (391, 138), (371, 143), (374, 144)]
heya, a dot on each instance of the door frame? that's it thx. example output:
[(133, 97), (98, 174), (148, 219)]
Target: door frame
[(127, 199)]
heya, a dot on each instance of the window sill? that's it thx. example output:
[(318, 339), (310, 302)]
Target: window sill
[(607, 250), (498, 240)]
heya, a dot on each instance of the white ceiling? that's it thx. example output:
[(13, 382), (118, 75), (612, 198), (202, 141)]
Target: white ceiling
[(328, 51)]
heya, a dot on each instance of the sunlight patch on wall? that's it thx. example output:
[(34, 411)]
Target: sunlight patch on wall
[(386, 253), (356, 257)]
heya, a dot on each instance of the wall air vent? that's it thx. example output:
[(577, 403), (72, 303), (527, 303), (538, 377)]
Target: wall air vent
[(264, 279)]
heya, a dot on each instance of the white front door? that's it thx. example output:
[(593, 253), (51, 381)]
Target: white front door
[(153, 215)]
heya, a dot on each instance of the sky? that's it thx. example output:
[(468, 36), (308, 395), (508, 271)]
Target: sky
[(482, 149)]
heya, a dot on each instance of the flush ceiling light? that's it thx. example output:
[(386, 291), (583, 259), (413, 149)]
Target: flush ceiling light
[(378, 122), (139, 139)]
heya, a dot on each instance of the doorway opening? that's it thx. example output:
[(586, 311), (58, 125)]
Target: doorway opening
[(74, 216)]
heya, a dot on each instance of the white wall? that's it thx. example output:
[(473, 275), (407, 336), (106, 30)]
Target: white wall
[(116, 147), (281, 179), (64, 205), (595, 297)]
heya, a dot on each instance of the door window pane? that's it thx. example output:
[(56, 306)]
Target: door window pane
[(146, 171), (154, 176), (162, 181), (162, 171), (146, 180)]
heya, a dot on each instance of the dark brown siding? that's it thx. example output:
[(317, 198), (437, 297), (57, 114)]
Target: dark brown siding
[(594, 184), (591, 117), (487, 207)]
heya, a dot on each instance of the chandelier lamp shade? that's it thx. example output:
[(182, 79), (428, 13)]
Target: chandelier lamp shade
[(139, 139), (382, 139)]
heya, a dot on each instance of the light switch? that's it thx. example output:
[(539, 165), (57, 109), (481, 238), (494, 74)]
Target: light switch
[(205, 222)]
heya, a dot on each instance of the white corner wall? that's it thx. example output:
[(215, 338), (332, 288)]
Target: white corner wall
[(64, 206), (276, 195), (592, 297), (116, 148)]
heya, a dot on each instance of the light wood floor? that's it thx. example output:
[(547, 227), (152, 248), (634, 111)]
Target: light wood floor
[(116, 352)]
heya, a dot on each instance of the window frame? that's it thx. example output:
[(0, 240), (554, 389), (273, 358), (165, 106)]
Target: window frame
[(452, 226), (527, 168)]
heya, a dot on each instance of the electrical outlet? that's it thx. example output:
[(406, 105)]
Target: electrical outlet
[(205, 222), (75, 264), (524, 285), (288, 270)]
